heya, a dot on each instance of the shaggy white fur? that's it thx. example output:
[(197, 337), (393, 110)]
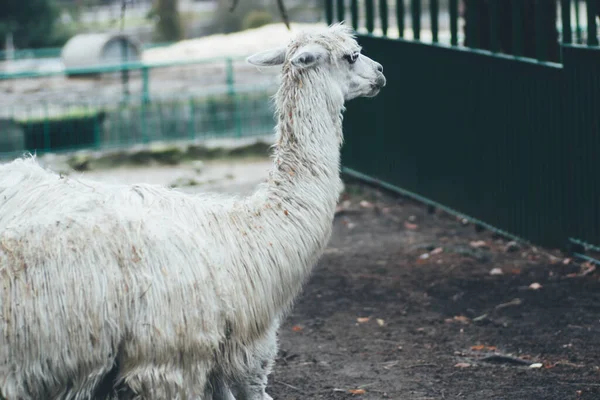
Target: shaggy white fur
[(165, 295)]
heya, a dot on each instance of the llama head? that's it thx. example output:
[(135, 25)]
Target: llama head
[(331, 57)]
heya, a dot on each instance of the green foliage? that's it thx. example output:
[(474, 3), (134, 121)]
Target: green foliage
[(256, 19), (31, 22), (168, 25)]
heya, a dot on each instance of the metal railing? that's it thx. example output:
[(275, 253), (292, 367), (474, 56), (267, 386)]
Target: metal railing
[(138, 102), (523, 28)]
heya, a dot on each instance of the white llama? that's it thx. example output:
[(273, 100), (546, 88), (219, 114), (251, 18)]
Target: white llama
[(157, 294)]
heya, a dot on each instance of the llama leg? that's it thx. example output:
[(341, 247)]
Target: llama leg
[(151, 382), (252, 382), (218, 389)]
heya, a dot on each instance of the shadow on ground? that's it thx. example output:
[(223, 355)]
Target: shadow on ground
[(403, 305)]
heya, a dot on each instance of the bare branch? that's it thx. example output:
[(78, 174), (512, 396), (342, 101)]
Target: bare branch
[(284, 15)]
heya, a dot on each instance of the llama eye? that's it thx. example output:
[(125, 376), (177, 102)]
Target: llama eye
[(351, 58)]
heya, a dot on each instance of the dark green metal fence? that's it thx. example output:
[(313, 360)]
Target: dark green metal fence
[(509, 142)]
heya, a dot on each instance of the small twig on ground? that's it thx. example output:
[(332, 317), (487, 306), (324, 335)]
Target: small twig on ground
[(421, 365), (499, 358), (288, 385), (513, 302)]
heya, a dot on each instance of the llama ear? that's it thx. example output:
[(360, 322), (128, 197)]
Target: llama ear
[(268, 58), (309, 55)]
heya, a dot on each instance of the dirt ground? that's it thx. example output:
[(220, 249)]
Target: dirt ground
[(411, 305)]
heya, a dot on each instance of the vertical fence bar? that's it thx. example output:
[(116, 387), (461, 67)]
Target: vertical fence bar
[(540, 15), (592, 29), (434, 10), (144, 122), (415, 10), (192, 125), (400, 17), (370, 15), (565, 11), (517, 27), (46, 128), (472, 28), (453, 22), (354, 13), (96, 116), (145, 84), (341, 10), (233, 96), (578, 30), (494, 27), (383, 15), (329, 11)]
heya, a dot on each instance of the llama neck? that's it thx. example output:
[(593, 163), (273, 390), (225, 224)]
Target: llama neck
[(309, 136), (294, 210)]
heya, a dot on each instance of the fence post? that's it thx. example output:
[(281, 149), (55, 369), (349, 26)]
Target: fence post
[(383, 15), (329, 11), (434, 13), (416, 18), (454, 22), (354, 13), (517, 28), (232, 96), (541, 41), (341, 11), (96, 129), (145, 84), (370, 15), (46, 128), (567, 34), (494, 27), (592, 29), (191, 125), (400, 17), (578, 31)]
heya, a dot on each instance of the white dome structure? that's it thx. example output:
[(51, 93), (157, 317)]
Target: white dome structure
[(96, 49)]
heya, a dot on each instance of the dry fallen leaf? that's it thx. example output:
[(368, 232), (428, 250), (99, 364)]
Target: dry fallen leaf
[(478, 243), (380, 322), (410, 226), (478, 347), (496, 271), (462, 319), (535, 286), (437, 250), (515, 271), (366, 204), (363, 320), (297, 328), (566, 261), (357, 391), (536, 365), (462, 365)]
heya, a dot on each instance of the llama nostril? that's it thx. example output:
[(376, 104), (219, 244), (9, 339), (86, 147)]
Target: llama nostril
[(379, 67)]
